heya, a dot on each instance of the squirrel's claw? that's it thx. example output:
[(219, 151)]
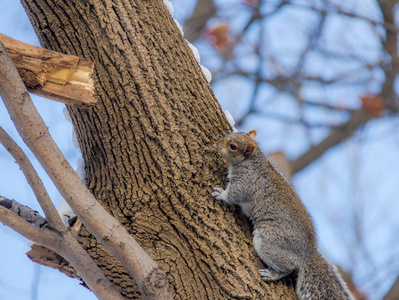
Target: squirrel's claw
[(268, 275), (217, 193)]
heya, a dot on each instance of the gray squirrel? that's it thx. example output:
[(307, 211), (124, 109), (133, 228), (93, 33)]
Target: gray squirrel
[(283, 232)]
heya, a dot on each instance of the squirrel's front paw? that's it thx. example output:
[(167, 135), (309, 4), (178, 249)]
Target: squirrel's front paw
[(219, 193)]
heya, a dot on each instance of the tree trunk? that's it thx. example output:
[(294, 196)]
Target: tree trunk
[(148, 148)]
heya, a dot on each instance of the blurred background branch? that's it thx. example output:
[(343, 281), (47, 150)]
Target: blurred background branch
[(317, 79)]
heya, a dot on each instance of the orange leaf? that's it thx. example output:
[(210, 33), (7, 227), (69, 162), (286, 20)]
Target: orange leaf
[(219, 36), (373, 104)]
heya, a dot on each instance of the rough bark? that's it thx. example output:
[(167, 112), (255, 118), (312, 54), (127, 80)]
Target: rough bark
[(148, 148)]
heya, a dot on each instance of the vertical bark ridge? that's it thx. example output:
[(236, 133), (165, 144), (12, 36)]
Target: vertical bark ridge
[(148, 147)]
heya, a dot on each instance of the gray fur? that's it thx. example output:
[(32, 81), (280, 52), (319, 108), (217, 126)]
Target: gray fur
[(283, 236)]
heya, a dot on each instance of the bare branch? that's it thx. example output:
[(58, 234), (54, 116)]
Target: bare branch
[(24, 212), (391, 47), (66, 245), (38, 235), (360, 117), (34, 181), (326, 106), (60, 77), (393, 292), (386, 24), (337, 136), (203, 11), (282, 163), (113, 236)]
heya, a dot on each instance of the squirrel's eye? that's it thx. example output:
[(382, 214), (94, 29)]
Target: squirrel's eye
[(233, 147)]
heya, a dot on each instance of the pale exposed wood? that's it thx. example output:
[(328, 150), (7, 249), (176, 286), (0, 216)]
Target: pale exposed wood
[(56, 76)]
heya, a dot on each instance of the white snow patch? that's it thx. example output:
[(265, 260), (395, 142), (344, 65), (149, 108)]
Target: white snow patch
[(169, 6), (230, 119), (68, 118), (207, 73), (66, 115), (179, 27), (195, 51), (65, 211), (75, 140), (197, 56), (80, 170)]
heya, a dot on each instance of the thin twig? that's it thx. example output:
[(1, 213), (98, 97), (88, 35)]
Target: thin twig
[(34, 181), (66, 245), (386, 24), (203, 11), (337, 136), (391, 48)]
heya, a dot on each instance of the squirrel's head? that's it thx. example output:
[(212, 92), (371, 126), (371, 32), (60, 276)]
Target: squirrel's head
[(236, 147)]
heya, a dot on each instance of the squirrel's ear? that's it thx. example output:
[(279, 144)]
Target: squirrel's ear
[(252, 134), (249, 149)]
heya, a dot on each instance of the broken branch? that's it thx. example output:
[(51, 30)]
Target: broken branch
[(53, 75)]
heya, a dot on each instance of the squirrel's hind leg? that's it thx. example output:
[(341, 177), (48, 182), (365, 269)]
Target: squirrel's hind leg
[(270, 275), (279, 260)]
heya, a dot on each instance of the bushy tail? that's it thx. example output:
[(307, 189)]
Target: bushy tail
[(319, 280)]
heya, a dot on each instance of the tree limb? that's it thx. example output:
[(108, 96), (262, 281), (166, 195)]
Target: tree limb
[(34, 181), (60, 77), (193, 26), (391, 49), (24, 212), (337, 136), (393, 292), (19, 224), (109, 231), (66, 245)]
